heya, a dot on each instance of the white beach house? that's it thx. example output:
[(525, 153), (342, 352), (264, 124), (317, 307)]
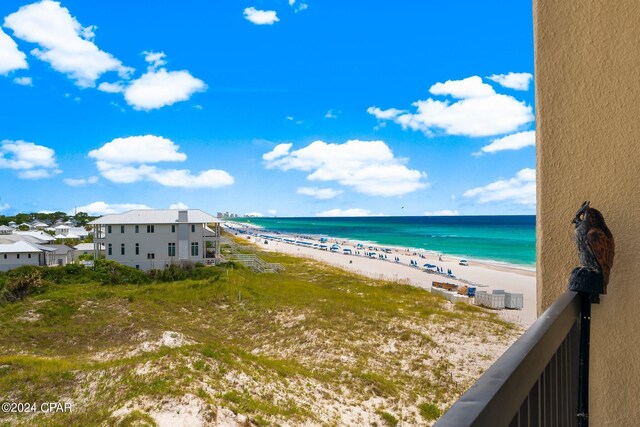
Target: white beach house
[(155, 238), (17, 254)]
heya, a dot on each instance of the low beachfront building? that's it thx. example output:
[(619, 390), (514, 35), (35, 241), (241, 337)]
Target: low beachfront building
[(85, 249), (58, 255), (17, 254), (156, 238)]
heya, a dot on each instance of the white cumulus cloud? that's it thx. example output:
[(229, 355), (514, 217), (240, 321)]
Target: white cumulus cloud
[(160, 88), (117, 87), (479, 111), (279, 151), (127, 160), (517, 81), (11, 58), (4, 207), (103, 208), (515, 141), (23, 81), (368, 167), (260, 17), (155, 59), (298, 7), (80, 182), (183, 178), (471, 87), (32, 161), (63, 42), (139, 149), (384, 114), (346, 212), (319, 193), (521, 189)]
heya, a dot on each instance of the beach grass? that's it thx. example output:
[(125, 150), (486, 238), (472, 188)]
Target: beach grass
[(311, 345)]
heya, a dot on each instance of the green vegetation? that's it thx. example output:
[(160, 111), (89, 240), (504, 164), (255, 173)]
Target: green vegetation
[(389, 419), (20, 282), (81, 217), (429, 411), (121, 344)]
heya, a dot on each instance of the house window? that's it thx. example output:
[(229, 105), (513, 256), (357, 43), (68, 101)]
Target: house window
[(137, 248), (151, 256), (193, 228), (194, 248), (108, 229), (137, 267), (150, 229), (137, 228), (121, 248), (172, 249), (29, 256), (122, 229), (110, 249), (5, 256), (173, 228), (18, 256)]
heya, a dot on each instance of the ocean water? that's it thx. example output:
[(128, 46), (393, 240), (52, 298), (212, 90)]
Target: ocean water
[(507, 239)]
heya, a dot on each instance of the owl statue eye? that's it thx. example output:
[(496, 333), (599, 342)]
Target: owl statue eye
[(581, 217)]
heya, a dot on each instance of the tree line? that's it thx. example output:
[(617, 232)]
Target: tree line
[(81, 218)]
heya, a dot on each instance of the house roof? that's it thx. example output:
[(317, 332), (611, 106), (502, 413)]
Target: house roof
[(39, 235), (5, 228), (61, 249), (18, 247), (67, 236), (155, 216), (84, 247)]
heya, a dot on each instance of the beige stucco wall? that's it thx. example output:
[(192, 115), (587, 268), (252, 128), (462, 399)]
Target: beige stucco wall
[(587, 66)]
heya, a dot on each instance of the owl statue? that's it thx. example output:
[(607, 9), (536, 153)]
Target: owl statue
[(595, 249)]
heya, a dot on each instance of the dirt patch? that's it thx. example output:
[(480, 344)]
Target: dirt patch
[(168, 338), (30, 316), (187, 411)]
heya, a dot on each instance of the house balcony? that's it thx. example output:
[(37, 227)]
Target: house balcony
[(535, 382)]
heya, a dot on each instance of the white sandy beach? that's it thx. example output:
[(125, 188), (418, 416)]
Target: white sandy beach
[(485, 276)]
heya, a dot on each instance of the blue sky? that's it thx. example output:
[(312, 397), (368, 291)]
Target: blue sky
[(276, 107)]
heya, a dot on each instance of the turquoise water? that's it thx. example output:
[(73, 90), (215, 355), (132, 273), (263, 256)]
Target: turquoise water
[(509, 239)]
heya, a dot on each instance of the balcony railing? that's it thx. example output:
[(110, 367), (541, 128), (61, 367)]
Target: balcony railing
[(534, 383)]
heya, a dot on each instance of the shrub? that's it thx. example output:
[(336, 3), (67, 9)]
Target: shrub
[(429, 411), (21, 282), (109, 272), (389, 419), (175, 272), (70, 273), (73, 269)]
